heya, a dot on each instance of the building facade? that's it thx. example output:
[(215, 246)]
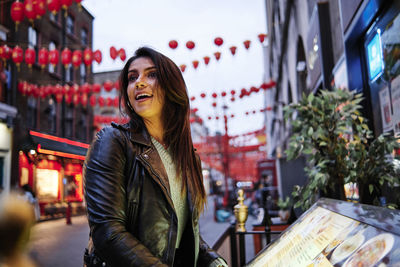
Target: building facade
[(49, 119), (315, 45)]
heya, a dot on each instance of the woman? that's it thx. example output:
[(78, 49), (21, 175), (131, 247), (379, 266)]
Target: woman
[(143, 181)]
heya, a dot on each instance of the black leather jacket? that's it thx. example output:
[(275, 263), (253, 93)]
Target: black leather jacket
[(129, 207)]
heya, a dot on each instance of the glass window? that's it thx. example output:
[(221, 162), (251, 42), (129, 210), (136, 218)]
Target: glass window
[(52, 46), (69, 73), (83, 73), (31, 113), (33, 40), (54, 17), (84, 37), (70, 25)]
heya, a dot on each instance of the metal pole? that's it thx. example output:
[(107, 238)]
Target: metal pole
[(234, 255), (242, 249)]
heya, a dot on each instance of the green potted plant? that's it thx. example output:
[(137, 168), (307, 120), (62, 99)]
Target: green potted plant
[(331, 132), (284, 206)]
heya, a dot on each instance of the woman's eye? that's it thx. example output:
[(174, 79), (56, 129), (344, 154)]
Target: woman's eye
[(132, 78), (153, 74)]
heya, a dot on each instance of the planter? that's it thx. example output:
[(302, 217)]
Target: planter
[(284, 215)]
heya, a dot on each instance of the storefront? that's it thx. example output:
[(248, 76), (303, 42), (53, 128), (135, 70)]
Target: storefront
[(53, 168), (372, 44)]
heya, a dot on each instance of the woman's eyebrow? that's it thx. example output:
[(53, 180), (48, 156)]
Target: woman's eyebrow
[(146, 69)]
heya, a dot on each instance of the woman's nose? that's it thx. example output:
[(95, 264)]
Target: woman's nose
[(140, 84)]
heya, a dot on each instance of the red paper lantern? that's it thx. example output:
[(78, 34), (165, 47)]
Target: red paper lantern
[(48, 89), (262, 37), (113, 52), (29, 11), (54, 57), (232, 115), (57, 89), (66, 90), (43, 57), (233, 50), (116, 85), (195, 63), (218, 41), (268, 108), (96, 88), (75, 89), (21, 87), (101, 101), (190, 45), (30, 56), (182, 67), (173, 44), (40, 8), (209, 118), (217, 117), (116, 102), (66, 57), (214, 95), (109, 101), (233, 92), (59, 98), (232, 99), (87, 57), (68, 98), (77, 58), (17, 55), (17, 13), (206, 60), (203, 95), (247, 113), (122, 54), (84, 100), (54, 6), (85, 88), (76, 99), (65, 4), (247, 44), (192, 98), (97, 56), (254, 112), (92, 100), (5, 52), (108, 85), (217, 55), (214, 104), (223, 94)]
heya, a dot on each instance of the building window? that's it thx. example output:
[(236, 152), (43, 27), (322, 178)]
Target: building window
[(68, 120), (69, 73), (31, 113), (52, 46), (51, 111), (83, 73), (84, 37), (54, 17), (33, 40), (70, 25)]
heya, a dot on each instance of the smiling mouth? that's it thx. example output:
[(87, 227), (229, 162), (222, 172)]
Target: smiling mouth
[(143, 97)]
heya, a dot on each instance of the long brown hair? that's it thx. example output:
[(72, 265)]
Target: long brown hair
[(175, 118)]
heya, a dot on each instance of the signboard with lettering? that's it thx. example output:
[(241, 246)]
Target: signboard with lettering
[(375, 57)]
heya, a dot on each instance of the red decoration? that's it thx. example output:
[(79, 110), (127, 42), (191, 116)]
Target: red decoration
[(122, 54), (85, 88), (233, 92), (268, 108), (203, 95), (97, 56), (190, 44), (57, 89), (66, 57), (30, 56), (113, 52), (232, 115), (108, 85), (84, 100), (43, 57), (40, 8), (232, 99), (233, 50), (29, 11), (77, 58), (247, 44), (92, 100), (17, 55), (116, 85), (96, 88), (116, 102), (214, 95), (217, 117), (54, 57), (76, 99), (206, 60), (214, 104), (217, 55), (173, 44), (192, 98), (5, 52), (87, 57), (48, 90), (54, 6), (223, 94), (109, 101), (59, 98), (182, 67), (75, 89), (218, 41), (66, 89), (101, 101), (209, 118), (17, 13), (262, 37), (247, 113), (195, 63), (68, 98)]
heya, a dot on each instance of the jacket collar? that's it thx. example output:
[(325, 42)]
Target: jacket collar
[(137, 136)]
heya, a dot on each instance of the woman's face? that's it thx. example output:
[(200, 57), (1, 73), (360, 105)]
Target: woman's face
[(144, 93)]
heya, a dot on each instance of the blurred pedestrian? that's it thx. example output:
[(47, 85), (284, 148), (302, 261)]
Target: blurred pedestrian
[(143, 181), (16, 220), (30, 197)]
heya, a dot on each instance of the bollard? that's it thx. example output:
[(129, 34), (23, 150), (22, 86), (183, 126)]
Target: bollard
[(68, 213)]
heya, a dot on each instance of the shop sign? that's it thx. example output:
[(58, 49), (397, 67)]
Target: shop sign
[(386, 112), (375, 57), (47, 182)]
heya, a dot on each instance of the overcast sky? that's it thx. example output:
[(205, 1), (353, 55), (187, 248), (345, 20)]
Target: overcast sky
[(130, 24)]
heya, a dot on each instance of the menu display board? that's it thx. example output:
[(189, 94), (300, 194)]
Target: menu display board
[(322, 237)]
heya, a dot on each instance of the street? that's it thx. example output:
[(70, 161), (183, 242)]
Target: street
[(54, 243)]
